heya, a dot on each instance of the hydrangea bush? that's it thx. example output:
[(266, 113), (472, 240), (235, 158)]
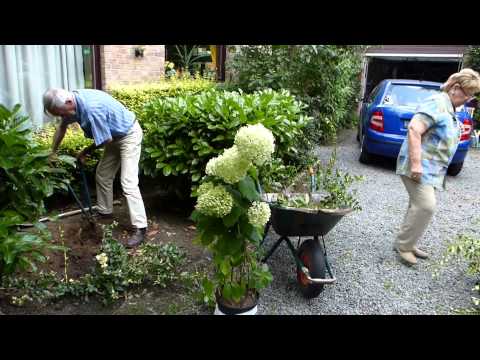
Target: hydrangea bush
[(231, 217)]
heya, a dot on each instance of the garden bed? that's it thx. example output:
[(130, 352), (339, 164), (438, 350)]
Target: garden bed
[(167, 224)]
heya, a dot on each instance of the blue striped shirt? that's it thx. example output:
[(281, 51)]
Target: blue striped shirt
[(100, 116)]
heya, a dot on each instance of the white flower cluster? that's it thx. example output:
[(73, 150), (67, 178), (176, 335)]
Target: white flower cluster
[(205, 187), (258, 213), (255, 143), (102, 259), (231, 167), (214, 200)]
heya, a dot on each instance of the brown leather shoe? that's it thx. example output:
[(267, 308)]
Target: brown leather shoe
[(407, 256), (137, 238), (420, 253)]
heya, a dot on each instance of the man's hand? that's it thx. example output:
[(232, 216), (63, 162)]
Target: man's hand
[(417, 172), (82, 157)]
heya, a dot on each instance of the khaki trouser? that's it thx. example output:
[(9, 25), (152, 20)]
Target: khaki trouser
[(421, 207), (124, 153)]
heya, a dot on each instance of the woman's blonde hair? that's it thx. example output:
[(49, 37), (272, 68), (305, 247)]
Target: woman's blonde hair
[(468, 79)]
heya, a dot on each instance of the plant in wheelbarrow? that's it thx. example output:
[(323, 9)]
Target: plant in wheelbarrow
[(231, 218), (313, 214)]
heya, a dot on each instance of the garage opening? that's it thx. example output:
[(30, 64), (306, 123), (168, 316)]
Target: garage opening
[(409, 68)]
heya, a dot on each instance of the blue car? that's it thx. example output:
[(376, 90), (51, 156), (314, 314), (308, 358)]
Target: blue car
[(385, 115)]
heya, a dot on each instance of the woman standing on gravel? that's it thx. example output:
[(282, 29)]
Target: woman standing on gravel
[(432, 139)]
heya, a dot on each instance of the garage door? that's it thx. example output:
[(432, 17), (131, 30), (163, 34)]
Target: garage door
[(419, 62)]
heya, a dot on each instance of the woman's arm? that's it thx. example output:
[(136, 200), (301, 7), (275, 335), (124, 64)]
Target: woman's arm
[(416, 129)]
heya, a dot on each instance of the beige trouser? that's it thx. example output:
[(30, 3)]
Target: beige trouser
[(124, 153), (421, 207)]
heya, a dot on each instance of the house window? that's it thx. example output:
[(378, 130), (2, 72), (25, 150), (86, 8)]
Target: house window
[(26, 71), (208, 60), (88, 58)]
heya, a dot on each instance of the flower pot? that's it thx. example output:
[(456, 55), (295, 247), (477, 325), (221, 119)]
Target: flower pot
[(229, 311), (246, 306)]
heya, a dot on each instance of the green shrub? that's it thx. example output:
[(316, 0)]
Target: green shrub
[(326, 77), (472, 60), (183, 133), (465, 248), (21, 250), (26, 179), (134, 97)]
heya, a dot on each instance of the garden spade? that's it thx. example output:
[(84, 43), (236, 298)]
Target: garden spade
[(86, 197)]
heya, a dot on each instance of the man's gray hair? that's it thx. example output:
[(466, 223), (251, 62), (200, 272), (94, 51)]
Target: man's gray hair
[(55, 99)]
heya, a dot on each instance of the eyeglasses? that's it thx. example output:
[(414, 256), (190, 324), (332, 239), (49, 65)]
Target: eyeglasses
[(469, 96)]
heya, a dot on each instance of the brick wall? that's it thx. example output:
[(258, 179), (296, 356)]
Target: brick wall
[(120, 66)]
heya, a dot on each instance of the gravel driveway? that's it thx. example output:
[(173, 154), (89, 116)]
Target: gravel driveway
[(370, 277)]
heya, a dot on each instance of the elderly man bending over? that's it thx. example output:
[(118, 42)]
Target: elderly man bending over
[(110, 125)]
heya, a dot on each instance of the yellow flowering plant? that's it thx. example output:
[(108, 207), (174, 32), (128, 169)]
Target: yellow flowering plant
[(170, 69), (231, 217)]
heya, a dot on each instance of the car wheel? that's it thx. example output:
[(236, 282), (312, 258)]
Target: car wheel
[(365, 157), (454, 169)]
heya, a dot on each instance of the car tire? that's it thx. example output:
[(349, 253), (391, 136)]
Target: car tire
[(454, 169), (365, 157)]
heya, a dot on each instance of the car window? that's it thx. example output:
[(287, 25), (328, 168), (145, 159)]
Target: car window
[(408, 95), (373, 94)]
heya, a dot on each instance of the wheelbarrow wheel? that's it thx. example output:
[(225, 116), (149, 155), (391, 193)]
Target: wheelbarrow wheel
[(311, 255)]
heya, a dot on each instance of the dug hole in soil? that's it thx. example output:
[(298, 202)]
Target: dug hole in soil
[(168, 222)]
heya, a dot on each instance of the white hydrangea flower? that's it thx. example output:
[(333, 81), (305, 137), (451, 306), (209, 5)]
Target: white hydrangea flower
[(205, 187), (256, 143), (258, 213), (231, 166), (102, 259), (215, 202)]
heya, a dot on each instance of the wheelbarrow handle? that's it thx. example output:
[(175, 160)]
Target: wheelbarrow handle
[(317, 280)]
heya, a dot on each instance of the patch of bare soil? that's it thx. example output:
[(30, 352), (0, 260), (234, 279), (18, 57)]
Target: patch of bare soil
[(169, 222)]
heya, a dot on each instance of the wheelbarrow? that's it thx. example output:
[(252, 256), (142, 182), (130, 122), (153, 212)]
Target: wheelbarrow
[(310, 255)]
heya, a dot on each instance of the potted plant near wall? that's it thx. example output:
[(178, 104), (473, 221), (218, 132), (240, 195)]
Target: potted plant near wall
[(139, 51), (231, 218)]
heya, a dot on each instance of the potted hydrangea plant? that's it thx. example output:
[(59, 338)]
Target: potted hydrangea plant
[(231, 218)]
